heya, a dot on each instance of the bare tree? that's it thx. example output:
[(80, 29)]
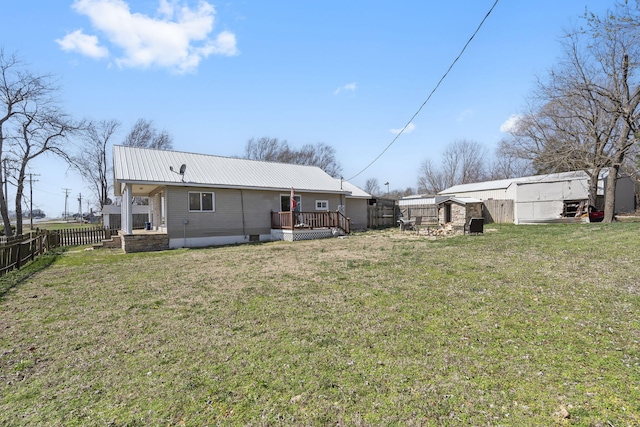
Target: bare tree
[(92, 161), (41, 130), (321, 155), (431, 179), (506, 165), (144, 134), (614, 49), (275, 150), (372, 186), (462, 162), (565, 129), (268, 150), (31, 124), (586, 115)]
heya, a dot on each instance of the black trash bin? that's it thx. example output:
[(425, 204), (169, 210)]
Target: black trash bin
[(147, 226)]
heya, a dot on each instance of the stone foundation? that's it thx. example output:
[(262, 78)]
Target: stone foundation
[(144, 242)]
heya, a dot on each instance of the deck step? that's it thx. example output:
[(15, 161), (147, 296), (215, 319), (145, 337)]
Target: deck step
[(112, 243)]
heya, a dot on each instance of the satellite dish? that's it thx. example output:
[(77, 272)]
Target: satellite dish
[(183, 168)]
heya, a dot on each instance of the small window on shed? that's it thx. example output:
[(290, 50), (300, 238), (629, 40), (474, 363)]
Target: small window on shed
[(322, 205)]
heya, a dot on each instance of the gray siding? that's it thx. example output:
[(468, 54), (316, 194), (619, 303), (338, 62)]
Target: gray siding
[(226, 220), (241, 212), (357, 213), (308, 201)]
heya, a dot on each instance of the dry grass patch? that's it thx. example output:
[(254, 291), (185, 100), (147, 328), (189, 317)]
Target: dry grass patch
[(380, 328)]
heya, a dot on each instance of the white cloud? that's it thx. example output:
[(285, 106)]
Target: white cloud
[(407, 129), (510, 124), (465, 115), (178, 39), (350, 87), (85, 44)]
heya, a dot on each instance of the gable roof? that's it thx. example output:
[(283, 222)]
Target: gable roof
[(145, 166), (356, 192), (459, 200)]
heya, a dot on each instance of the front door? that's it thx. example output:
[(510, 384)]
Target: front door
[(285, 203)]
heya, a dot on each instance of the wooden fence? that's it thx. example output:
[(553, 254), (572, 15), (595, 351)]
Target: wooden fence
[(82, 236), (23, 249), (384, 213), (18, 251), (498, 211), (429, 213)]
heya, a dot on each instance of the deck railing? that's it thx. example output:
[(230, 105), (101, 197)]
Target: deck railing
[(310, 220)]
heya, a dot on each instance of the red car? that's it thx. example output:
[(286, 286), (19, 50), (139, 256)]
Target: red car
[(595, 215)]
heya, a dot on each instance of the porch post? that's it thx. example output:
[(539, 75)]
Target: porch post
[(127, 210)]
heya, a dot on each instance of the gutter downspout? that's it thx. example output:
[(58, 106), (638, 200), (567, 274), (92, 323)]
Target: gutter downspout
[(244, 231)]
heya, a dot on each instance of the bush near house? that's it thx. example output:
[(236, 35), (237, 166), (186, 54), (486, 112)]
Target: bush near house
[(523, 325)]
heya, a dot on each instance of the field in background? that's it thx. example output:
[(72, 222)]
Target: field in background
[(524, 325), (57, 225)]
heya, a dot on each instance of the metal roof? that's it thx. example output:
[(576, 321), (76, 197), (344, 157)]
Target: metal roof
[(356, 192), (145, 166), (505, 183), (435, 200), (458, 200)]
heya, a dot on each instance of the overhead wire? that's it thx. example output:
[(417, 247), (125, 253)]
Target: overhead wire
[(430, 94)]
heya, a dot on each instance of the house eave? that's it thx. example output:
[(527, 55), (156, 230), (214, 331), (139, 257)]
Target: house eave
[(120, 183)]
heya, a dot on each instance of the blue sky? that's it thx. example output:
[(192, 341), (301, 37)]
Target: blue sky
[(348, 74)]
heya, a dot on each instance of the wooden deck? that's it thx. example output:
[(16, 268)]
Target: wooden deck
[(309, 220)]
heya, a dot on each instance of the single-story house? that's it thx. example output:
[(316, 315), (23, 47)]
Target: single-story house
[(198, 200), (542, 198)]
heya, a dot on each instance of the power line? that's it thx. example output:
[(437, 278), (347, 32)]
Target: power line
[(432, 92)]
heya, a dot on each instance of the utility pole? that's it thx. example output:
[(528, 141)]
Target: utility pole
[(80, 206), (66, 197), (31, 198)]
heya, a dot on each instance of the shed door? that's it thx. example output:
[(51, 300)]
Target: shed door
[(447, 213)]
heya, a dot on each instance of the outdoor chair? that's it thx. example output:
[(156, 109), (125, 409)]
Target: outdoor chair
[(405, 224)]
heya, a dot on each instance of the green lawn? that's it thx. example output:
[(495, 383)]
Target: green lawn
[(521, 326)]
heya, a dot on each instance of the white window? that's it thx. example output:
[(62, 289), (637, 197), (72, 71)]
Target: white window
[(202, 202), (322, 205)]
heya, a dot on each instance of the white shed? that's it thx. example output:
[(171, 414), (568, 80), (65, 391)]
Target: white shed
[(543, 198)]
